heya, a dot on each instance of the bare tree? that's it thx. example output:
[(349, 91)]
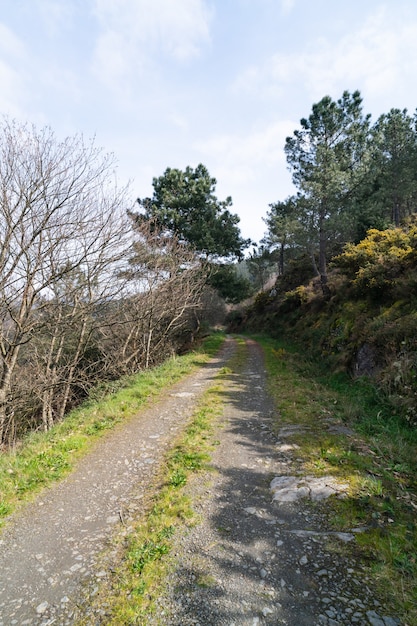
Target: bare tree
[(60, 213), (164, 289)]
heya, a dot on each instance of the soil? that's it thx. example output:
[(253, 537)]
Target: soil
[(263, 553)]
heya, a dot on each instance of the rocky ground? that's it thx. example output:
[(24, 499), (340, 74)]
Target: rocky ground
[(263, 552)]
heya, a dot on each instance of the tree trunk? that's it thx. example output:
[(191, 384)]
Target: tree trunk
[(396, 212), (148, 348), (70, 376), (2, 414), (322, 259), (51, 375), (5, 384), (314, 263), (281, 260)]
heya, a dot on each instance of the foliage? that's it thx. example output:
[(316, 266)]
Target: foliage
[(327, 157), (288, 231), (298, 272), (261, 301), (368, 327), (82, 300), (166, 280), (350, 177), (377, 263), (262, 265), (64, 235), (213, 310), (228, 284), (394, 142), (184, 204), (296, 297)]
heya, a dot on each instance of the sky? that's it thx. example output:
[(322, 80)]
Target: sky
[(172, 83)]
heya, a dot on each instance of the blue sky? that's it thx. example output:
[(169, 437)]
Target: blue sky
[(171, 83)]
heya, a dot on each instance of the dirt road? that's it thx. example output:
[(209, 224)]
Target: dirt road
[(50, 548), (264, 553), (261, 554)]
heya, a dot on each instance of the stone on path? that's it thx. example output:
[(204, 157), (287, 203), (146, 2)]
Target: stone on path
[(294, 488)]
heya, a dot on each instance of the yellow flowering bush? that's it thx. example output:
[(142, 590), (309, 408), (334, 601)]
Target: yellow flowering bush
[(379, 260)]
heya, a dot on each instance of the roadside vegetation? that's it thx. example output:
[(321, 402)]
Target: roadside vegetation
[(349, 432), (43, 458), (95, 287), (90, 291), (343, 317), (344, 248)]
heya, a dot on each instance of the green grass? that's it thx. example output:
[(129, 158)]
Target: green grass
[(43, 458), (378, 461)]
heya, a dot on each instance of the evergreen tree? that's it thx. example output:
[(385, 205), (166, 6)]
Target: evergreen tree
[(327, 157), (184, 204), (394, 159)]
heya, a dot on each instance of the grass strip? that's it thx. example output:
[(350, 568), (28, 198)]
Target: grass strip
[(45, 457), (377, 459)]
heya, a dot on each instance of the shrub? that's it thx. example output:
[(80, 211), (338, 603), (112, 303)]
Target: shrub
[(378, 261)]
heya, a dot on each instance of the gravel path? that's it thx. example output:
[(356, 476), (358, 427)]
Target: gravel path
[(49, 550), (262, 555)]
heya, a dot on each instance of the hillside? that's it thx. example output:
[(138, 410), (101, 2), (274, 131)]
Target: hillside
[(365, 326)]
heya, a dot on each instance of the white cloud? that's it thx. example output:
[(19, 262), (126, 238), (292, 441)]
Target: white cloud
[(378, 58), (12, 52), (179, 121), (252, 169), (10, 45), (287, 6), (134, 33), (9, 86), (56, 16), (242, 157)]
